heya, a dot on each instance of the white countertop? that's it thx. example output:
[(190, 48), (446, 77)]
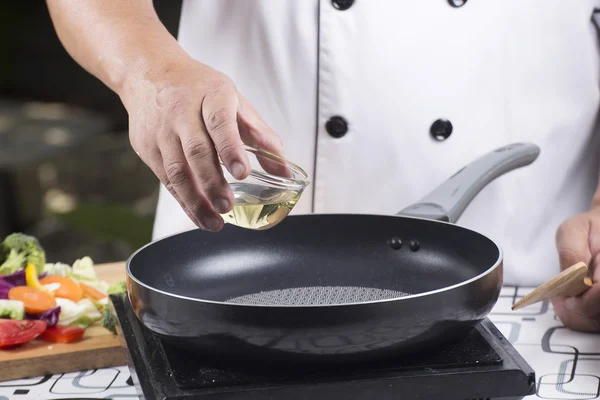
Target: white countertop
[(566, 363)]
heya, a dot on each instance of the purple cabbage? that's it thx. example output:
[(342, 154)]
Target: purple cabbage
[(9, 281), (4, 288), (50, 316), (16, 279)]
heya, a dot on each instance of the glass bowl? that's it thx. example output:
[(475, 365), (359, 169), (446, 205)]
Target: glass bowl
[(268, 194)]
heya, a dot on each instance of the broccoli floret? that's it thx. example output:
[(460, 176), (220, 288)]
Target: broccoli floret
[(23, 249), (109, 320), (117, 288), (13, 263)]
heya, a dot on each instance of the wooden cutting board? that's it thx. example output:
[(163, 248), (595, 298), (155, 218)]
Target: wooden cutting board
[(98, 349)]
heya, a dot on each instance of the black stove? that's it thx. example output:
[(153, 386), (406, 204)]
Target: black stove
[(482, 365)]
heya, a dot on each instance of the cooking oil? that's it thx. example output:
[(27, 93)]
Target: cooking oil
[(259, 207)]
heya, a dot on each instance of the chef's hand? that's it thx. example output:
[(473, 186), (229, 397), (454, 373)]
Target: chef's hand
[(181, 115), (181, 112), (578, 239)]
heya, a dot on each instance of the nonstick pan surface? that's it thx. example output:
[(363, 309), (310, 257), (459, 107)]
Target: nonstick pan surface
[(328, 288)]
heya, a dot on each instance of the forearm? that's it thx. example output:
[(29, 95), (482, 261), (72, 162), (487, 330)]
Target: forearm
[(114, 39)]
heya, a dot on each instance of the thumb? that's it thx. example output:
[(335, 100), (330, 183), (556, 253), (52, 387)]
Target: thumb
[(572, 241)]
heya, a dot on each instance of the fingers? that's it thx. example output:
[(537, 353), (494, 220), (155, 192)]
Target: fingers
[(588, 304), (219, 114), (192, 122), (578, 239), (201, 193), (191, 156), (581, 313), (572, 241), (171, 169), (572, 317)]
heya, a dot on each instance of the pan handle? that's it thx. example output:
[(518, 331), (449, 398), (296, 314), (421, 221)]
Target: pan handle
[(448, 201)]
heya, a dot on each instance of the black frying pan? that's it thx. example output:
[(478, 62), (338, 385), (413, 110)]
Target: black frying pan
[(328, 288)]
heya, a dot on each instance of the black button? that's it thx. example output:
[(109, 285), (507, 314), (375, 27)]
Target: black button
[(342, 4), (457, 3), (441, 129), (336, 126)]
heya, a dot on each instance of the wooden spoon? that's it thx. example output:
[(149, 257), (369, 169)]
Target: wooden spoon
[(573, 281)]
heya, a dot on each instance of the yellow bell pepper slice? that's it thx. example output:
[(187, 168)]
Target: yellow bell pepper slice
[(31, 277)]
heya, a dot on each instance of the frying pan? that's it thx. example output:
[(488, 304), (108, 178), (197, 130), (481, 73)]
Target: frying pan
[(323, 288)]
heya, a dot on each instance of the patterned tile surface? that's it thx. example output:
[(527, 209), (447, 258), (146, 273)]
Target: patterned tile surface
[(567, 364)]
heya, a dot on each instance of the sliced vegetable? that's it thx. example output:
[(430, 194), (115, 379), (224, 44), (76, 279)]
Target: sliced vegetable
[(109, 320), (99, 285), (69, 311), (15, 333), (117, 288), (16, 279), (92, 293), (58, 269), (82, 314), (68, 288), (100, 304), (31, 278), (9, 281), (83, 269), (50, 316), (85, 321), (35, 300), (89, 314), (4, 288), (63, 334), (12, 309), (52, 287)]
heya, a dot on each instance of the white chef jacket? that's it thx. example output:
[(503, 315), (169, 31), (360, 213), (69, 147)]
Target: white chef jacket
[(496, 71)]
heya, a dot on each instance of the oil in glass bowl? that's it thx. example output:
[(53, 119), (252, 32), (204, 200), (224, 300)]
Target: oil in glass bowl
[(268, 195)]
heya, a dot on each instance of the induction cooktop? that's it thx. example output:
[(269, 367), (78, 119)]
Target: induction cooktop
[(481, 365)]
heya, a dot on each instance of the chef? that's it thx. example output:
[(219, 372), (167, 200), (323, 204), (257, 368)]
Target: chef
[(378, 100)]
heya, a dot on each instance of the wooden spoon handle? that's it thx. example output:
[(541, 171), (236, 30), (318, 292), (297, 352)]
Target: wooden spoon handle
[(570, 282)]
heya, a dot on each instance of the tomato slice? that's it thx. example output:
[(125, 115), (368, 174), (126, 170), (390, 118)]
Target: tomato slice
[(63, 334), (91, 292), (35, 300), (14, 333), (69, 289)]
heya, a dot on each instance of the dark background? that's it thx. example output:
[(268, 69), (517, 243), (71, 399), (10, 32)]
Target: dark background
[(67, 171)]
